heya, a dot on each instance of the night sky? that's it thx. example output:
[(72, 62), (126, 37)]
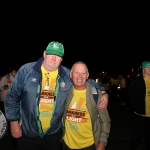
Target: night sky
[(114, 41)]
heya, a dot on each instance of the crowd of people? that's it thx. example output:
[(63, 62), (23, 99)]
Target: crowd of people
[(117, 86), (49, 106), (134, 91)]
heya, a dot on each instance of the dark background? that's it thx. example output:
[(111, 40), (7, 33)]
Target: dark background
[(112, 37)]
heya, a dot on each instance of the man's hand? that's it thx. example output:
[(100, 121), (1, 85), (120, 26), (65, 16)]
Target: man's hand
[(103, 102), (101, 146), (15, 128)]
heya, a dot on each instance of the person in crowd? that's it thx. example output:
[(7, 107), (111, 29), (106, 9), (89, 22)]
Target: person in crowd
[(139, 97), (82, 127), (106, 84), (114, 82), (5, 83), (35, 102), (123, 90)]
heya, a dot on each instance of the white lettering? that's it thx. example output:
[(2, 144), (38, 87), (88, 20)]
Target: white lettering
[(46, 100), (73, 119)]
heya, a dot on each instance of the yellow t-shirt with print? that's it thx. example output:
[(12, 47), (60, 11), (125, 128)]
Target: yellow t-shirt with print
[(78, 127), (46, 104), (147, 98)]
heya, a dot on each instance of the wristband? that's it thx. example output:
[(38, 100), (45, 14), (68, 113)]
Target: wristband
[(104, 93)]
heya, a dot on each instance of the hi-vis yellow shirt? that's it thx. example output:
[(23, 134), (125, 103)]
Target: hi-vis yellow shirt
[(78, 127), (47, 97)]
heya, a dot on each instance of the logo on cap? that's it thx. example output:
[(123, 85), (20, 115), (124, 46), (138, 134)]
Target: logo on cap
[(56, 46)]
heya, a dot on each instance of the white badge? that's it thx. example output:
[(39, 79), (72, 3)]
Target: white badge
[(3, 124)]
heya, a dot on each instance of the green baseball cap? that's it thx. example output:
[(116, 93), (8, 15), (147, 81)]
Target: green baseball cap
[(145, 64), (55, 48)]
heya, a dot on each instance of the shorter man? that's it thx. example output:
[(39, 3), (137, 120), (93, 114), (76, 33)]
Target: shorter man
[(139, 97), (82, 127)]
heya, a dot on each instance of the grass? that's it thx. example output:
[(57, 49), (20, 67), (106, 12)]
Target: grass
[(120, 134)]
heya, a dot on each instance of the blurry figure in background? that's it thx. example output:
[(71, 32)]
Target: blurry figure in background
[(5, 83), (123, 90), (83, 129), (139, 97), (114, 82), (128, 83), (106, 84)]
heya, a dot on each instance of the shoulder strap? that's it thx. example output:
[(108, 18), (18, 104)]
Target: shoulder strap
[(95, 94)]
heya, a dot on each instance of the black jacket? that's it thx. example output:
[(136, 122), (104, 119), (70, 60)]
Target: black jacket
[(136, 94)]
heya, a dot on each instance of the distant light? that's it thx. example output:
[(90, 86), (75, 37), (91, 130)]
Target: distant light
[(119, 86), (97, 80)]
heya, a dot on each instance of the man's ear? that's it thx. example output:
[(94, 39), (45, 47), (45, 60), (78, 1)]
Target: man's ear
[(70, 75), (44, 54), (87, 76), (61, 59)]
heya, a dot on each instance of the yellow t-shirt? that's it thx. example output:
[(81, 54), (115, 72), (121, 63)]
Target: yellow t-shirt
[(147, 98), (46, 104), (78, 127)]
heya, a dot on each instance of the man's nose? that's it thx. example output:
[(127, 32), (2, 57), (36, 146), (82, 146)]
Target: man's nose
[(53, 57)]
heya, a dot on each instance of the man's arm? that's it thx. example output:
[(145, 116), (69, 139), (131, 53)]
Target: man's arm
[(105, 122), (12, 100), (15, 128), (101, 145), (104, 101)]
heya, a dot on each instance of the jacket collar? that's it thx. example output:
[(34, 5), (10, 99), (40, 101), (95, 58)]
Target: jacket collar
[(38, 65)]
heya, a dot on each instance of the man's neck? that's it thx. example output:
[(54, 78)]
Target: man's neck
[(146, 76), (47, 68)]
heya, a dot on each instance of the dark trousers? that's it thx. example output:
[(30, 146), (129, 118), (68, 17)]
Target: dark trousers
[(141, 128), (123, 95), (49, 142), (65, 147)]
